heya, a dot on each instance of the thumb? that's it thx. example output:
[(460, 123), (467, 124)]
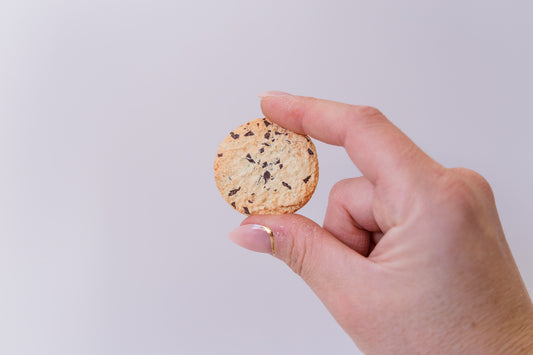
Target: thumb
[(325, 263)]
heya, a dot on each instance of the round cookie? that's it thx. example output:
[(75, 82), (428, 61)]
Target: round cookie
[(263, 168)]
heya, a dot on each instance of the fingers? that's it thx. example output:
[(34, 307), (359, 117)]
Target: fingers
[(349, 215), (310, 251), (378, 148)]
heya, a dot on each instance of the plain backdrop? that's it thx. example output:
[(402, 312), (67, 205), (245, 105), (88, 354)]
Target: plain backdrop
[(112, 231)]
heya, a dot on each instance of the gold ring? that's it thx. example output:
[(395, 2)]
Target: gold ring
[(271, 235)]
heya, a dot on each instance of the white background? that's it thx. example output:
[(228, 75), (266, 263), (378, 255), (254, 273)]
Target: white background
[(112, 231)]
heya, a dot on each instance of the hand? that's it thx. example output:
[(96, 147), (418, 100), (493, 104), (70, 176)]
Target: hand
[(411, 257)]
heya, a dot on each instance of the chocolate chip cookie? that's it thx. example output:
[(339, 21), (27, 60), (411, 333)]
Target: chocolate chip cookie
[(263, 168)]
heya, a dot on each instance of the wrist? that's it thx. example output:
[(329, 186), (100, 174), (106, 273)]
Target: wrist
[(520, 339), (499, 332)]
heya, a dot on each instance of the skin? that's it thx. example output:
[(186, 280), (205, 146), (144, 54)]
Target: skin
[(411, 257)]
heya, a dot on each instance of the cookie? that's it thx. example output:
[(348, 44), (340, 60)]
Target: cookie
[(263, 168)]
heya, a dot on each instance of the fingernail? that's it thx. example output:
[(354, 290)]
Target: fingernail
[(273, 93), (253, 237)]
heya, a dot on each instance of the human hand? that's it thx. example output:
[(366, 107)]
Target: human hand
[(411, 257)]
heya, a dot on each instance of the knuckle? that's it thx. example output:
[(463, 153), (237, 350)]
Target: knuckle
[(300, 249), (369, 116), (367, 111), (477, 182), (457, 193), (464, 191), (296, 109), (338, 190)]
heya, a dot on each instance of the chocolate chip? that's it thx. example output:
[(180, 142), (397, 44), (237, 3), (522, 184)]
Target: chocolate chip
[(273, 140), (281, 166), (246, 210), (233, 204), (250, 201), (286, 185), (234, 191), (266, 176), (277, 162), (219, 155), (249, 133), (310, 151), (277, 133), (268, 145), (307, 179), (234, 136), (261, 150), (264, 164), (249, 158), (266, 122), (267, 135)]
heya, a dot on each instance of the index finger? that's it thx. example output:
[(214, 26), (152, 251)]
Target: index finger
[(376, 146)]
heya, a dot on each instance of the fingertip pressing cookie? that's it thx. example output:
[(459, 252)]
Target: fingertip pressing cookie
[(263, 168)]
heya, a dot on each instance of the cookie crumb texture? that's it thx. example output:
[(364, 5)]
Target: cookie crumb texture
[(262, 168)]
